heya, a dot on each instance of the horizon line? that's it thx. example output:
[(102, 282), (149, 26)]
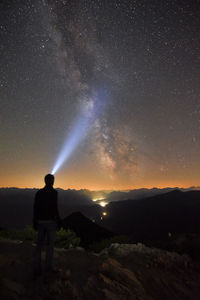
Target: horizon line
[(107, 190)]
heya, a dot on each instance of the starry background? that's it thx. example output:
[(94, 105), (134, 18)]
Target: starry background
[(137, 62)]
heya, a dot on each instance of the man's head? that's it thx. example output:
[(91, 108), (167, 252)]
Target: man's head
[(49, 179)]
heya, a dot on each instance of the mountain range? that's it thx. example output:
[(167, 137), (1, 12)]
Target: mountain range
[(148, 218), (155, 217)]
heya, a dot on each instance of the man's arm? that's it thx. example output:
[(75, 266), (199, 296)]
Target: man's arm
[(58, 220)]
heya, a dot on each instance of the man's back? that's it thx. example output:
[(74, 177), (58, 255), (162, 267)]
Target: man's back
[(45, 206)]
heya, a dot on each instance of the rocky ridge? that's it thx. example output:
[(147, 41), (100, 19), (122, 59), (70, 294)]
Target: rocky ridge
[(122, 271)]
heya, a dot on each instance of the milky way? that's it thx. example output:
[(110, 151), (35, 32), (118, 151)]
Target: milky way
[(134, 65)]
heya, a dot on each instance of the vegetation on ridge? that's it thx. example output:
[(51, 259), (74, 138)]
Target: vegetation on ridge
[(64, 238)]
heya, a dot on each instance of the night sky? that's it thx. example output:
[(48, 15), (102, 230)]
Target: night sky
[(131, 67)]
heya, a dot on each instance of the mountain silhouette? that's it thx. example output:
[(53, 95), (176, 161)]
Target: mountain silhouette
[(143, 219), (155, 217), (88, 231)]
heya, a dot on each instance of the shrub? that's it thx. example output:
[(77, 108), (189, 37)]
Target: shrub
[(11, 234), (29, 234), (64, 238)]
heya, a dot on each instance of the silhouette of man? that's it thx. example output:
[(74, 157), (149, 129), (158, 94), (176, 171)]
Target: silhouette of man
[(46, 220)]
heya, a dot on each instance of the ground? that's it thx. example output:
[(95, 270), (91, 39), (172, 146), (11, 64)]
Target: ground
[(121, 272)]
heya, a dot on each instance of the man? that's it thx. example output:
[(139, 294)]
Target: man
[(46, 220)]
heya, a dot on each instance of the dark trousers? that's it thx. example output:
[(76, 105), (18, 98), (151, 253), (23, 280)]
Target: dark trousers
[(46, 237)]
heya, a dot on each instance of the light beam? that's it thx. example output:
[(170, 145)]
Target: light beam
[(75, 137), (88, 115)]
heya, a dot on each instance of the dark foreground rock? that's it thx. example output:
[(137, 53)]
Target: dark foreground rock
[(121, 272)]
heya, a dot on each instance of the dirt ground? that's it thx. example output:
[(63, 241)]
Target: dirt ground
[(82, 275)]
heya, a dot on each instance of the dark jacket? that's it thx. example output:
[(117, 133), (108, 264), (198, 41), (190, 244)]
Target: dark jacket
[(46, 206)]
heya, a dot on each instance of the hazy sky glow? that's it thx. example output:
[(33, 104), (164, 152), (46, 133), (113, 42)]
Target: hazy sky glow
[(130, 68)]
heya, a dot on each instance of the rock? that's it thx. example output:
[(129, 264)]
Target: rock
[(80, 249), (67, 273), (74, 292), (6, 240), (161, 255), (60, 249), (13, 286), (120, 282), (56, 287)]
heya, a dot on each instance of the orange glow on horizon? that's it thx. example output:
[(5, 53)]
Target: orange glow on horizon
[(100, 187), (77, 180)]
